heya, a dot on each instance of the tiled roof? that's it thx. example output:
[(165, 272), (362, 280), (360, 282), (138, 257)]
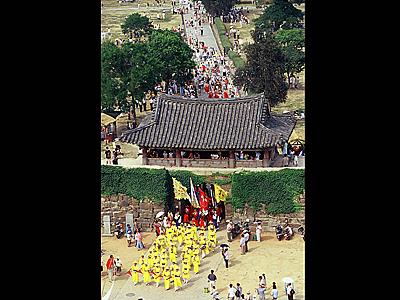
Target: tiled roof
[(211, 124)]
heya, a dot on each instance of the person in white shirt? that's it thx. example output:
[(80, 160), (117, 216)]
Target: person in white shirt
[(242, 244), (289, 291), (248, 296), (258, 231), (274, 292), (231, 292), (118, 264)]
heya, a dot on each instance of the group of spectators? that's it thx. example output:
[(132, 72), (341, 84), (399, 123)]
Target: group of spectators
[(236, 292)]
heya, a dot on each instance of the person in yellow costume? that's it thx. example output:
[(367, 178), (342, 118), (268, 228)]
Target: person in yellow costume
[(174, 249), (180, 237), (187, 256), (202, 243), (156, 259), (167, 277), (161, 240), (175, 238), (150, 261), (164, 262), (172, 255), (135, 270), (141, 260), (176, 273), (196, 251), (146, 274), (196, 264), (185, 271), (157, 275)]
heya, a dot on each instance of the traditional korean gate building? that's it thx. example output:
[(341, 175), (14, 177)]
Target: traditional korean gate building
[(194, 132)]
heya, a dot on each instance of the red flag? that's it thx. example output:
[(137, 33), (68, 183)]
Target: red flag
[(203, 199), (129, 272)]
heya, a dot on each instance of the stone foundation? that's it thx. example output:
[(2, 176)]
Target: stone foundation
[(117, 206), (296, 219)]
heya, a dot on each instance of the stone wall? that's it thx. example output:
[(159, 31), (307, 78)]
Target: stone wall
[(119, 205), (296, 219)]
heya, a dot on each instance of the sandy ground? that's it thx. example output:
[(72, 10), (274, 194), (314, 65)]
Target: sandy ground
[(276, 259)]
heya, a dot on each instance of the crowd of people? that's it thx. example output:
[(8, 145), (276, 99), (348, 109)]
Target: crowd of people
[(236, 292), (173, 255)]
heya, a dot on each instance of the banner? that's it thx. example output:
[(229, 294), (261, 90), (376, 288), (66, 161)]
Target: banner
[(203, 199), (193, 198), (220, 193), (179, 190)]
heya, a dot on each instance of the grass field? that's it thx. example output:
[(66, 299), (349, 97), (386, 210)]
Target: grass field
[(113, 15)]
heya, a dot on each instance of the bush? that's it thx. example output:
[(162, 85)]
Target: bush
[(275, 189), (140, 183)]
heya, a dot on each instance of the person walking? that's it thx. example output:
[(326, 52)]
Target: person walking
[(231, 292), (246, 239), (242, 245), (261, 293), (225, 255), (108, 156), (138, 239), (239, 291), (258, 231), (212, 279), (229, 228), (110, 268), (290, 291), (274, 292), (118, 265)]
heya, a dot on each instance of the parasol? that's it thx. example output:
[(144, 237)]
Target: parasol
[(160, 214)]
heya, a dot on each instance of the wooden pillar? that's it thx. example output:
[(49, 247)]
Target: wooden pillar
[(265, 161), (178, 158), (232, 159), (145, 160)]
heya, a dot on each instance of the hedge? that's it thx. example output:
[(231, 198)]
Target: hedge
[(275, 189), (140, 183)]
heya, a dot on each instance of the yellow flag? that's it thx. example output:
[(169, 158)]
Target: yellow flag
[(179, 190), (220, 193)]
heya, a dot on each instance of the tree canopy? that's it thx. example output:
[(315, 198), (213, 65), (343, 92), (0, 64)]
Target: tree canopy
[(174, 57), (292, 42), (280, 14), (264, 69), (113, 75), (218, 7), (136, 26), (135, 68)]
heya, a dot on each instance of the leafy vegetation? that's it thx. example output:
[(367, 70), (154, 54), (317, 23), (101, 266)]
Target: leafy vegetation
[(276, 189)]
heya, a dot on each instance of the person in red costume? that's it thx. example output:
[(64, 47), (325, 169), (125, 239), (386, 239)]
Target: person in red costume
[(207, 88), (210, 94)]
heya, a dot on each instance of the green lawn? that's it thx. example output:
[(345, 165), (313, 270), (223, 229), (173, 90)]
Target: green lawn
[(113, 15)]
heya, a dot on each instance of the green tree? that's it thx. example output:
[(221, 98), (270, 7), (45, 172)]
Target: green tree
[(143, 72), (218, 7), (136, 26), (264, 69), (280, 14), (113, 74), (174, 57), (292, 42)]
